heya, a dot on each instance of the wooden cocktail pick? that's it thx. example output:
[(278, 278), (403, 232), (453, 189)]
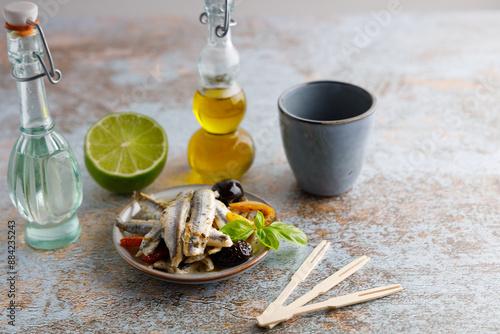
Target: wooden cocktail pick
[(324, 286), (336, 302), (299, 276), (275, 312)]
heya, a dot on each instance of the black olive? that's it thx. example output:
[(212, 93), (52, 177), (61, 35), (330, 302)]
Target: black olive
[(230, 191), (238, 253)]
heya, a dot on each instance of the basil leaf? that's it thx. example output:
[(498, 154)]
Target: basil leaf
[(290, 233), (238, 229), (269, 237), (259, 220)]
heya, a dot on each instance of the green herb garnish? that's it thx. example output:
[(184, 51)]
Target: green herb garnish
[(269, 235)]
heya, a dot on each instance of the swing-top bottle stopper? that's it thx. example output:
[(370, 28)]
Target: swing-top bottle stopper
[(22, 17), (17, 14)]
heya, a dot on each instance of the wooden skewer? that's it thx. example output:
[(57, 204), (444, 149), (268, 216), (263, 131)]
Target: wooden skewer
[(299, 276), (336, 302), (320, 288)]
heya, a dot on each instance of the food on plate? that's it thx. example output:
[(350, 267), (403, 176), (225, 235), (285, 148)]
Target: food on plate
[(181, 235), (249, 209), (173, 221), (229, 190), (151, 209), (157, 254), (238, 253), (269, 235), (202, 218), (135, 226), (151, 240), (196, 231), (131, 241)]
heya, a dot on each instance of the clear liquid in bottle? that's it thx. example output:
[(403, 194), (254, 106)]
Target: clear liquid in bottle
[(45, 186)]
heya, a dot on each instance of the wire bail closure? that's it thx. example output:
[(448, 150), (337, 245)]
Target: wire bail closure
[(221, 30), (54, 75)]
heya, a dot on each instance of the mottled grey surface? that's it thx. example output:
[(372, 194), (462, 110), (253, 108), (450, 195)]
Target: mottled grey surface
[(425, 208)]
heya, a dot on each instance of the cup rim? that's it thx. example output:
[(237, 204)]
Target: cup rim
[(283, 110)]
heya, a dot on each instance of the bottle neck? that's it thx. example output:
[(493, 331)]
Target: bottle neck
[(215, 20), (216, 14), (219, 61), (34, 109)]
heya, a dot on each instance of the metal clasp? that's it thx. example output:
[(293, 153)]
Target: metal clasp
[(221, 30), (54, 75)]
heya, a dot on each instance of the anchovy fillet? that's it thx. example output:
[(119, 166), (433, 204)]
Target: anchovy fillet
[(209, 264), (189, 225), (218, 239), (150, 207), (220, 214), (173, 220), (214, 250), (184, 269), (141, 215), (151, 240), (193, 259), (202, 216), (133, 226)]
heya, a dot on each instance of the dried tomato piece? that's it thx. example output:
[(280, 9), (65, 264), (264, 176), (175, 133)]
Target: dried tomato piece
[(131, 241), (159, 253)]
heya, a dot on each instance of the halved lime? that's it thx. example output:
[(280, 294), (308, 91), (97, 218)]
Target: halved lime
[(125, 151)]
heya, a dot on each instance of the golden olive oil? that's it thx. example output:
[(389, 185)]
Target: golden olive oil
[(220, 111), (217, 157)]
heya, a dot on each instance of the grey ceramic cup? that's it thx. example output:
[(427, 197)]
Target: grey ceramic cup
[(325, 127)]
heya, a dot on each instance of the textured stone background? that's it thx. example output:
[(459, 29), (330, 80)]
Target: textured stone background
[(425, 209)]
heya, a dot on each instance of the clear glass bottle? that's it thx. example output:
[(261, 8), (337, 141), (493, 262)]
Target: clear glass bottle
[(220, 149), (220, 102), (43, 174)]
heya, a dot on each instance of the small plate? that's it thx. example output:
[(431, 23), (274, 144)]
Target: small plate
[(259, 250)]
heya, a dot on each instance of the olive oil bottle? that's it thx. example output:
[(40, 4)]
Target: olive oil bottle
[(220, 149)]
